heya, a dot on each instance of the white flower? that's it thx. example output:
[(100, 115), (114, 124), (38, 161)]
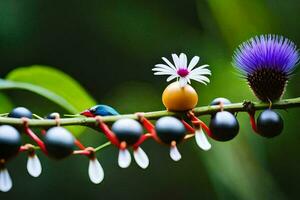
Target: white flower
[(182, 70)]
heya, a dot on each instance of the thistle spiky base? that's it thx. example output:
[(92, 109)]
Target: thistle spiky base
[(267, 84)]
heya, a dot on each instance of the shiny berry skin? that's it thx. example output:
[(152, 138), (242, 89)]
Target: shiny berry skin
[(176, 98), (269, 124), (219, 100), (20, 112), (224, 126), (127, 130), (10, 142), (170, 129), (53, 115), (59, 142)]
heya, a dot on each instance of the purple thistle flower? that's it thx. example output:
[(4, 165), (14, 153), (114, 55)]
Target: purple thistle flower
[(267, 61)]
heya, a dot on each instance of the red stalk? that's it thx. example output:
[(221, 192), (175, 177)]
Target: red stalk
[(197, 122), (79, 144), (252, 121), (34, 137), (149, 127), (108, 133), (142, 139), (188, 127)]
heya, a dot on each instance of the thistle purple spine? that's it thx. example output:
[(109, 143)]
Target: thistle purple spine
[(267, 61), (266, 52)]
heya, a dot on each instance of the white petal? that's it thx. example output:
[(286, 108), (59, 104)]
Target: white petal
[(96, 172), (201, 69), (176, 60), (182, 82), (201, 140), (188, 79), (200, 81), (5, 181), (162, 66), (171, 77), (161, 69), (183, 60), (174, 153), (163, 73), (201, 72), (164, 70), (169, 63), (124, 158), (141, 158), (193, 62), (200, 78), (202, 66), (34, 166)]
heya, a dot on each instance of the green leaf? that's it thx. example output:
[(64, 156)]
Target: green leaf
[(5, 103), (9, 85), (52, 84), (57, 83)]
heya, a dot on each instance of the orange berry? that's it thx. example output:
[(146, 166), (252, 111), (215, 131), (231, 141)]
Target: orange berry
[(176, 98)]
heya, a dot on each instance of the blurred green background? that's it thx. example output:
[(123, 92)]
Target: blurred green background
[(109, 47)]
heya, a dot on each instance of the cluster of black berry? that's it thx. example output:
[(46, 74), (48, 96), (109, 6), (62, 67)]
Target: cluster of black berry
[(57, 142)]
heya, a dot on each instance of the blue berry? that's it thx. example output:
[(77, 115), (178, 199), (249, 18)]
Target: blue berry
[(219, 100), (127, 130), (59, 142), (269, 124), (10, 142), (20, 112), (224, 126), (53, 115), (170, 129)]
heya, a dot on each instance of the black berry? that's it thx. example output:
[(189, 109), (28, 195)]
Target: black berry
[(59, 142), (224, 126), (20, 112), (219, 100), (269, 123), (127, 130), (10, 142), (170, 129)]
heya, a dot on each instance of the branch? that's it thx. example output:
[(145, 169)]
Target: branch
[(245, 106)]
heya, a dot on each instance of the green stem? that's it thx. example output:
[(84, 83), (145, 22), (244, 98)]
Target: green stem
[(102, 146), (37, 116), (204, 110)]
